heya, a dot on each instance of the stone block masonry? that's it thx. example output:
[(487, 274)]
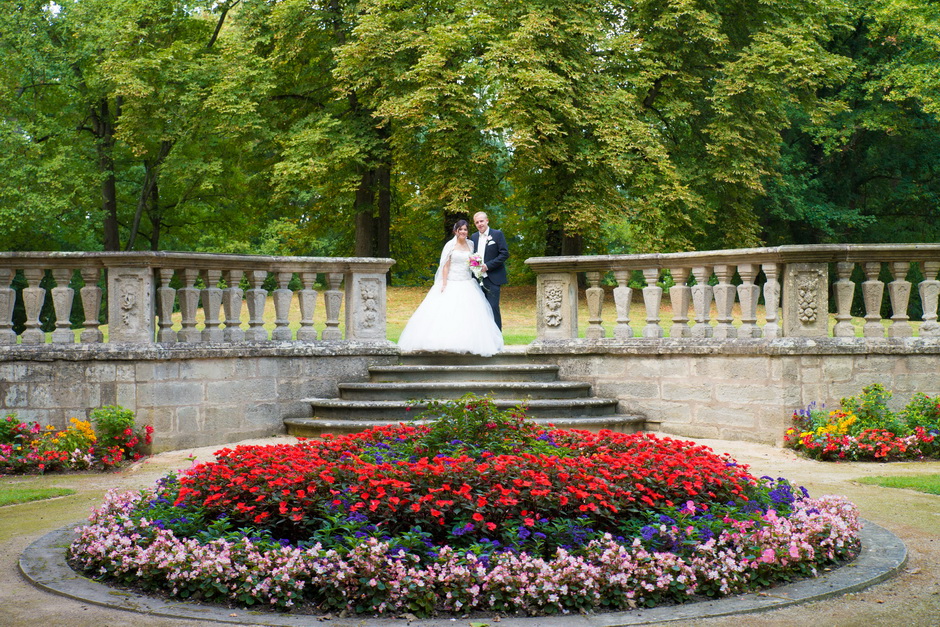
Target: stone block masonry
[(193, 395), (742, 389)]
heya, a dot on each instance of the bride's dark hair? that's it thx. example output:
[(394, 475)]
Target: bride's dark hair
[(460, 223)]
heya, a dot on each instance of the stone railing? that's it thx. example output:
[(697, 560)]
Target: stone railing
[(141, 301), (794, 285)]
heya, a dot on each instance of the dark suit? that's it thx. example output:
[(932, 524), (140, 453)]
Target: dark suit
[(495, 253)]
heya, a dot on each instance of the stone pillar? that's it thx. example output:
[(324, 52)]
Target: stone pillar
[(899, 291), (652, 299), (282, 299), (333, 301), (929, 293), (771, 300), (131, 305), (232, 306), (873, 291), (806, 300), (166, 298), (365, 307), (33, 297), (845, 293), (256, 298), (748, 295), (62, 297), (702, 302), (724, 300), (556, 306), (595, 303), (189, 304), (623, 297), (680, 296), (308, 303), (211, 296), (7, 299)]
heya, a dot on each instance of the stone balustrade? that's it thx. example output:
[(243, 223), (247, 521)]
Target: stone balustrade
[(141, 300), (793, 280)]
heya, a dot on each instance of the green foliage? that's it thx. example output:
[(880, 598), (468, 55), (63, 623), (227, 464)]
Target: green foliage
[(116, 431), (473, 425), (871, 410)]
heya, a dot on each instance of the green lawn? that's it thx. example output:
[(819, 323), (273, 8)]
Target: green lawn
[(922, 483), (13, 495)]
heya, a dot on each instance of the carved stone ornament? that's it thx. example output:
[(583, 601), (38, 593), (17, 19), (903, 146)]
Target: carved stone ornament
[(553, 298), (808, 302), (128, 303), (370, 305)]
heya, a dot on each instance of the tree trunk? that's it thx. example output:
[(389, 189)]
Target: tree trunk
[(365, 223), (155, 217), (103, 127)]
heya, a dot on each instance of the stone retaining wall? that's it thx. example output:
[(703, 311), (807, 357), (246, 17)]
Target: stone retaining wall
[(193, 397), (207, 395), (743, 389)]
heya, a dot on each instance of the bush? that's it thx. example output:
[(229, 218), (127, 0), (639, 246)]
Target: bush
[(26, 447), (865, 429)]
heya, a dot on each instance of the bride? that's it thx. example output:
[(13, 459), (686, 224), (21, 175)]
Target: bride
[(454, 316)]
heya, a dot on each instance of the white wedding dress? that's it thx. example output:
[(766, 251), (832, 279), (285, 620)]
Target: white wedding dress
[(456, 320)]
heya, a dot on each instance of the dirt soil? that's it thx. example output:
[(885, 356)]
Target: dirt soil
[(912, 598)]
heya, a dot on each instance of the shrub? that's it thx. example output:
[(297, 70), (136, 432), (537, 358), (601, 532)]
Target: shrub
[(865, 429), (25, 447)]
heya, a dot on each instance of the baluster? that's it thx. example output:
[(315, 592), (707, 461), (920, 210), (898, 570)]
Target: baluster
[(680, 295), (702, 302), (7, 299), (189, 303), (211, 306), (308, 304), (748, 293), (91, 295), (771, 300), (334, 300), (873, 292), (282, 299), (166, 298), (62, 297), (256, 297), (33, 297), (652, 298), (724, 300), (899, 292), (623, 297), (929, 293), (232, 306), (595, 303), (845, 293)]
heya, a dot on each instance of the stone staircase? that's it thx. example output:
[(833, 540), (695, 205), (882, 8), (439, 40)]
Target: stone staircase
[(398, 393)]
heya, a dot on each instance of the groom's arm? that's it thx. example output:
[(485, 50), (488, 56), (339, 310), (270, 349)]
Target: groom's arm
[(502, 251)]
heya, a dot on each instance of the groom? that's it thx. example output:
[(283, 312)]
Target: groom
[(491, 243)]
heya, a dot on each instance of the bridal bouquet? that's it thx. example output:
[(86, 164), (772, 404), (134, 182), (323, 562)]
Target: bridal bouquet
[(476, 267)]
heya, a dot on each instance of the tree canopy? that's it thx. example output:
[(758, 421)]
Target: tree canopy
[(341, 127)]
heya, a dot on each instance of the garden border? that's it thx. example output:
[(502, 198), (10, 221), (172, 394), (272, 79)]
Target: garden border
[(883, 555)]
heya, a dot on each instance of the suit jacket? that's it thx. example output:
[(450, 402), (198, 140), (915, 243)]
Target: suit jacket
[(495, 253)]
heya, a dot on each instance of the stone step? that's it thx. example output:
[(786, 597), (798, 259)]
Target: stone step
[(397, 410), (316, 427), (467, 372), (455, 389), (510, 355)]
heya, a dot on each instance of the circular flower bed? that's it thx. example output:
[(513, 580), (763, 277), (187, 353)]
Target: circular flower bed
[(416, 519)]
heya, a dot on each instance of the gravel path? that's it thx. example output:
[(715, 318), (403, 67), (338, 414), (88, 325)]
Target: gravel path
[(913, 598)]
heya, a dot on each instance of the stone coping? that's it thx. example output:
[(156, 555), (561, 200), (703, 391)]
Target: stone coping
[(580, 346), (883, 555)]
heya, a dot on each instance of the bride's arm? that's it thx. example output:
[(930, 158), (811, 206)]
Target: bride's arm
[(444, 272)]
